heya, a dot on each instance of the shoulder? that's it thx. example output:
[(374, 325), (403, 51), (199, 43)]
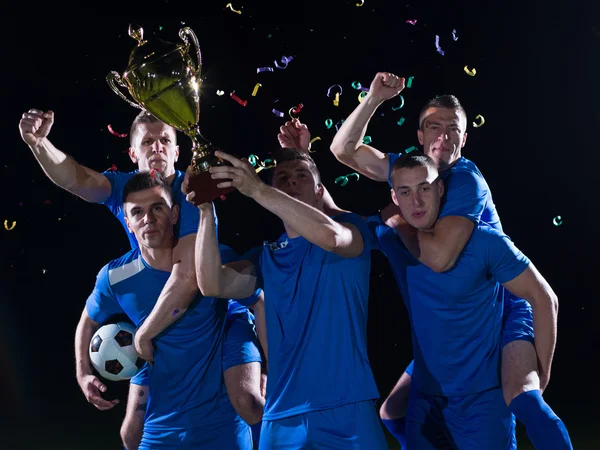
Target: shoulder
[(123, 268), (465, 172)]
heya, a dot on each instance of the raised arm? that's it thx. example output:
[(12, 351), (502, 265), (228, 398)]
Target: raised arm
[(310, 223), (60, 168), (90, 384), (347, 145), (531, 286), (235, 280)]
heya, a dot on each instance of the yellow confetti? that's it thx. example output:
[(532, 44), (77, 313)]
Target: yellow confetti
[(318, 138), (255, 91), (362, 2), (14, 224), (219, 93), (231, 8), (481, 121), (362, 95), (470, 72), (336, 100)]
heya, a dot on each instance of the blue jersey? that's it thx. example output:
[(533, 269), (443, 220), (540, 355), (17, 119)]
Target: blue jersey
[(189, 216), (456, 316), (471, 196), (186, 386), (316, 312)]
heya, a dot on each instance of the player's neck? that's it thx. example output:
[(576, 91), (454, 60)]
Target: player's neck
[(158, 258)]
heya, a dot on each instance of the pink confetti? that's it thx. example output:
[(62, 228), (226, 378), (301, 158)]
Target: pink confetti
[(239, 100), (114, 133), (412, 22)]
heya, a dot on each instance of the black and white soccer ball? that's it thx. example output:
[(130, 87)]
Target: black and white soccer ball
[(112, 352)]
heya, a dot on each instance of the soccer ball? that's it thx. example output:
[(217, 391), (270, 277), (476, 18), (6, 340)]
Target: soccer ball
[(112, 352)]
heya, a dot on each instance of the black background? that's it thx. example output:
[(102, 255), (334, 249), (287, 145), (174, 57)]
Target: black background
[(538, 149)]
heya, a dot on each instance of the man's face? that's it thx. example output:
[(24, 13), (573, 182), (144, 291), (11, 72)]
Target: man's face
[(295, 179), (155, 148), (443, 135), (150, 216), (418, 192)]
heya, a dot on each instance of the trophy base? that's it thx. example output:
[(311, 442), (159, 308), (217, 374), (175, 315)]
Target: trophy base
[(205, 188)]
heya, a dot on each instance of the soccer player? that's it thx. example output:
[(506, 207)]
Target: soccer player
[(320, 389), (188, 407), (456, 400), (154, 147), (468, 201)]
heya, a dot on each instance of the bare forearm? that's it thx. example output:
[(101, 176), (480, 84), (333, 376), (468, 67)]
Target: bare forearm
[(352, 132), (307, 221), (545, 318), (59, 167), (177, 295), (207, 256), (83, 335)]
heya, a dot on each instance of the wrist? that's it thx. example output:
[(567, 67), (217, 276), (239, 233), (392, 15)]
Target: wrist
[(259, 191), (373, 101), (83, 371)]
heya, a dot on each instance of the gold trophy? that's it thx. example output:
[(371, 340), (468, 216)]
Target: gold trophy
[(164, 80)]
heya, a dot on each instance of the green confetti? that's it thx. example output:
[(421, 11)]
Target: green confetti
[(329, 123), (367, 140), (356, 85), (396, 108), (410, 149), (409, 83), (401, 121), (557, 221)]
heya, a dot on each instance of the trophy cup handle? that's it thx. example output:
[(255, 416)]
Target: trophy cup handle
[(183, 34), (110, 79)]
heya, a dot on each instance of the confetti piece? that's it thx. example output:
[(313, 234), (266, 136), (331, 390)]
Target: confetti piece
[(219, 93), (153, 173), (336, 100), (329, 123), (331, 87), (557, 221), (264, 69), (454, 35), (437, 45), (356, 85), (367, 140), (343, 180), (412, 22), (284, 60), (470, 72), (112, 168), (481, 121), (410, 149), (318, 138), (277, 113), (298, 108), (401, 121), (239, 100), (361, 96), (255, 91), (223, 197), (362, 2), (176, 311), (266, 164), (337, 125), (409, 82), (231, 8), (14, 224), (396, 108), (114, 133)]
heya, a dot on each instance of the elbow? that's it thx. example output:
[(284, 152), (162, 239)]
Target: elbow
[(554, 304)]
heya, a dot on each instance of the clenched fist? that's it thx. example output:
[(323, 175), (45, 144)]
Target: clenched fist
[(35, 125), (385, 86)]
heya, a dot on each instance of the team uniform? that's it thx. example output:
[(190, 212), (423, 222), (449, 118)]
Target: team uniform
[(320, 390), (241, 344), (188, 406), (456, 398), (467, 194)]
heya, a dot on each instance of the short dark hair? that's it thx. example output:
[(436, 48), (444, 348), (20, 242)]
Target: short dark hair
[(146, 179), (292, 154), (412, 160), (443, 101), (143, 117)]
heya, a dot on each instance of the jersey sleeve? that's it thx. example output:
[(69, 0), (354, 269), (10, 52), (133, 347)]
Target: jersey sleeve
[(117, 182), (504, 259), (363, 228), (102, 303), (392, 158), (466, 194), (376, 229), (142, 378)]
